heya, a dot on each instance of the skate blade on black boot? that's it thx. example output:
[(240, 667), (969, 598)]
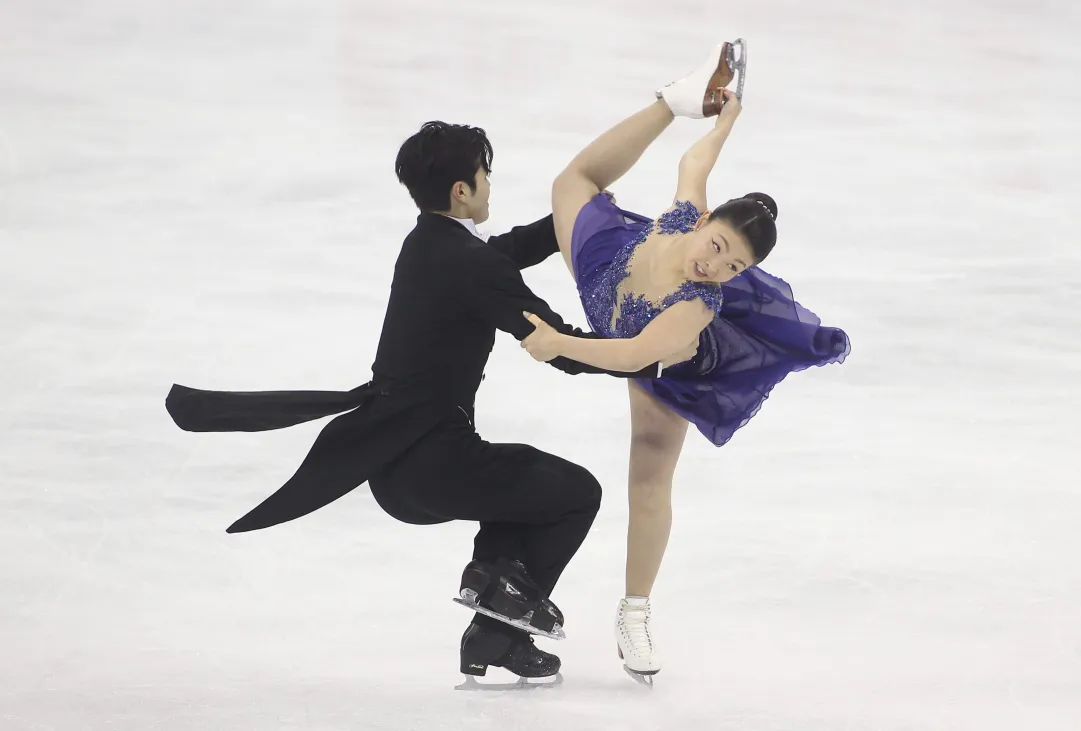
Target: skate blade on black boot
[(469, 599), (504, 591), (471, 683), (481, 648)]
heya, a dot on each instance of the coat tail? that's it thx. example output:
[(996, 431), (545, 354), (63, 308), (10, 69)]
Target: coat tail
[(194, 410)]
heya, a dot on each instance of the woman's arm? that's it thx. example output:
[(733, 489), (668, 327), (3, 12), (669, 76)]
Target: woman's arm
[(697, 163), (669, 333), (495, 294)]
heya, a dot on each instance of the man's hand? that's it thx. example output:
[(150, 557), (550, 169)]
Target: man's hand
[(544, 342)]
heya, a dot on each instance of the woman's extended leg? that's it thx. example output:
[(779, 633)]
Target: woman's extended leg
[(603, 162)]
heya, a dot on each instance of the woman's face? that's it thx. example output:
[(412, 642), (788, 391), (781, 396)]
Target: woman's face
[(716, 252)]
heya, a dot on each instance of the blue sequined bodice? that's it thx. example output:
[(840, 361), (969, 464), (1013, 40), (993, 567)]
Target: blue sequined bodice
[(635, 311)]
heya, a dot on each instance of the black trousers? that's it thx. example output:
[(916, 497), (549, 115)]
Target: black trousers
[(531, 506)]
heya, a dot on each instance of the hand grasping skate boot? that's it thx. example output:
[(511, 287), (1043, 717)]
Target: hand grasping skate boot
[(698, 94)]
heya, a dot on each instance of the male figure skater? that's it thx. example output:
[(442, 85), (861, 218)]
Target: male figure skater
[(409, 432)]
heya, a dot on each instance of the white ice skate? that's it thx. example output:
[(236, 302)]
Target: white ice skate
[(635, 642), (696, 95)]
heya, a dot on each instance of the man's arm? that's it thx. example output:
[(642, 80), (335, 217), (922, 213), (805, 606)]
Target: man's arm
[(527, 245), (498, 296)]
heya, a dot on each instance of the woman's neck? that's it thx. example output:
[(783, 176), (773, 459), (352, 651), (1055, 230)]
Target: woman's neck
[(666, 262)]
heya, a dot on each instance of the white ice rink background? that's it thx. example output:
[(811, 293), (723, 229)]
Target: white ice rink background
[(203, 192)]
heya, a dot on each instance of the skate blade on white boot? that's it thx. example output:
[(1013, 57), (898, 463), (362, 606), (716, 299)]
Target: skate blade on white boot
[(634, 641), (469, 599), (737, 61), (642, 678), (471, 683), (696, 95)]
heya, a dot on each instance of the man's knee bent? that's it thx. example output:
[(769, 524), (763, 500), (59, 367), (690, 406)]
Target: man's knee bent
[(583, 490)]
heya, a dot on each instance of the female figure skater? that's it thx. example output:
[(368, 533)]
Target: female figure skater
[(684, 281)]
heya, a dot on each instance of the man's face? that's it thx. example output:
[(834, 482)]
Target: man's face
[(477, 203)]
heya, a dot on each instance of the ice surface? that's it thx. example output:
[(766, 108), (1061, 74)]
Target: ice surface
[(203, 192)]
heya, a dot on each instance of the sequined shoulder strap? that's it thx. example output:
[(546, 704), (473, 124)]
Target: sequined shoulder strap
[(706, 291), (680, 219)]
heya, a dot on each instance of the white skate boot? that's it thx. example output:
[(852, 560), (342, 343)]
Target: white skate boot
[(697, 94), (636, 650)]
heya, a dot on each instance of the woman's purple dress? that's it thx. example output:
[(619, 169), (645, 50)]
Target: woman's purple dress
[(759, 336)]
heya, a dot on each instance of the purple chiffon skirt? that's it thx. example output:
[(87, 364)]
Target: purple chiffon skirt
[(760, 336)]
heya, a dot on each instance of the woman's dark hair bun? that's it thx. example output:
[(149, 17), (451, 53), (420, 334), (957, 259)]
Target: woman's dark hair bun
[(766, 201)]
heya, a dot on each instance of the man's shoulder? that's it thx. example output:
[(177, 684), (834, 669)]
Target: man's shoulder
[(449, 255), (435, 230), (486, 260), (453, 243), (446, 244)]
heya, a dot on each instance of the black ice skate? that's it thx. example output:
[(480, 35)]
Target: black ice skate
[(503, 590), (482, 647)]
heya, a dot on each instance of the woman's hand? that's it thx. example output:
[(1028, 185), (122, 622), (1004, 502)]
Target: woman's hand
[(731, 109), (544, 342)]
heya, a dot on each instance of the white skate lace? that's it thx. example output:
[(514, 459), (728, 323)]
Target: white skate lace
[(634, 623)]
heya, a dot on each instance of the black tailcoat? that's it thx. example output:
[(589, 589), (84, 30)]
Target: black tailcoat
[(451, 291)]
